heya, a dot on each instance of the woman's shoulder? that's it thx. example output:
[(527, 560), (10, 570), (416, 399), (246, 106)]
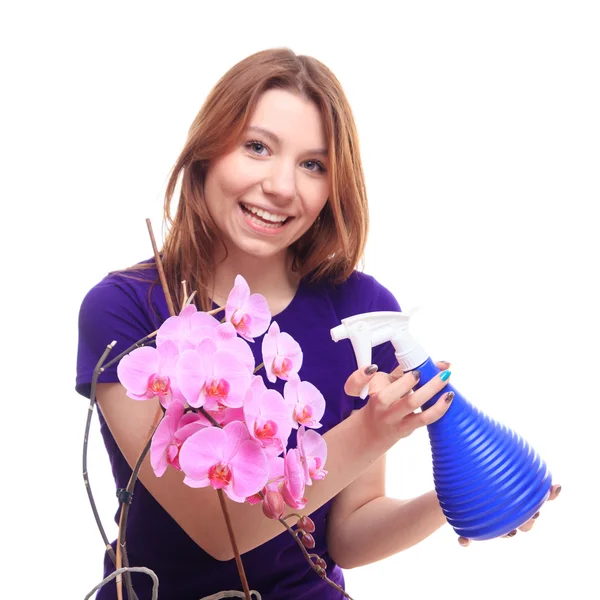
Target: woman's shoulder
[(130, 282), (132, 294), (124, 307)]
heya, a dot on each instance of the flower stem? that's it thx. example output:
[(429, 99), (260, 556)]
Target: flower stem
[(318, 570), (138, 344), (161, 271), (238, 559), (125, 503), (97, 370)]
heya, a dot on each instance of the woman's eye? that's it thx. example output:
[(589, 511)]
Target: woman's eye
[(315, 166), (256, 147)]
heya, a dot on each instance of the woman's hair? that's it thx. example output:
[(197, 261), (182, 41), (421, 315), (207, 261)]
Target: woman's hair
[(333, 246)]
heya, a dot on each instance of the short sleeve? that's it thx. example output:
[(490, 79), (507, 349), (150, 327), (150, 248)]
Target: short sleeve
[(111, 311)]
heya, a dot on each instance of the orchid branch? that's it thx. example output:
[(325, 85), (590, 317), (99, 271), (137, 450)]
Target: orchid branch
[(125, 497), (85, 449), (238, 558), (320, 571), (97, 370), (138, 344)]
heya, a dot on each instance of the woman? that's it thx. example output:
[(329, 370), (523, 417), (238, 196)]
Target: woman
[(272, 188)]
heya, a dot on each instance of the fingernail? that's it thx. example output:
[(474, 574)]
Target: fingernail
[(371, 369), (445, 362), (537, 514), (557, 491), (512, 533), (444, 375), (448, 397), (416, 375), (463, 542)]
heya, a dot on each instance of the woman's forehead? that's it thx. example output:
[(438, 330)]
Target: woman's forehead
[(287, 118)]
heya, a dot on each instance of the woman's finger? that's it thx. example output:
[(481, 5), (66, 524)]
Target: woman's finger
[(527, 526), (415, 400), (388, 393), (463, 541), (554, 492), (511, 534), (357, 381), (432, 414)]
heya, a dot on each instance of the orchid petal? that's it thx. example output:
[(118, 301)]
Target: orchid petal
[(188, 429), (225, 332), (195, 483), (250, 469), (239, 294), (190, 377), (258, 308), (203, 319), (201, 451), (135, 368), (235, 434), (315, 446), (169, 354)]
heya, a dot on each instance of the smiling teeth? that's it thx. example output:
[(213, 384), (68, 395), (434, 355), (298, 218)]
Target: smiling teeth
[(263, 214)]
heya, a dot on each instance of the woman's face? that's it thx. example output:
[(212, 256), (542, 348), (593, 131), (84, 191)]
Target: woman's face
[(269, 190)]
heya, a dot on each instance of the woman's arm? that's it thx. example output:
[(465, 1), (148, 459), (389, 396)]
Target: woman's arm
[(365, 526), (352, 447), (382, 527)]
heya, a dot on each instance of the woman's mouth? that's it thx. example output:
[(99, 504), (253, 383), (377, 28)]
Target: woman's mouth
[(263, 218)]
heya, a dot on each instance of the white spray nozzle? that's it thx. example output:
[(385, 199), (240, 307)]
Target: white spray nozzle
[(371, 329)]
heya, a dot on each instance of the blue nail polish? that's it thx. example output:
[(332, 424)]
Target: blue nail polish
[(444, 375)]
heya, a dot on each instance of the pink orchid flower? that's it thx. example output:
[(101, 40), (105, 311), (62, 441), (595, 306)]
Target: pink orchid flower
[(282, 355), (306, 403), (212, 379), (187, 329), (268, 419), (170, 434), (275, 477), (249, 314), (226, 338), (313, 454), (227, 415), (148, 372), (292, 486), (227, 459)]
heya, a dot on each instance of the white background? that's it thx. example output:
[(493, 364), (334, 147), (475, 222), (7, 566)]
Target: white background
[(479, 125)]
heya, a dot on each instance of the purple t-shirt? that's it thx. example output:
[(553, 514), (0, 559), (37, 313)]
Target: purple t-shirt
[(126, 309)]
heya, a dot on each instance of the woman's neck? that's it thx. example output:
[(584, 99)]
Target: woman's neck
[(271, 277)]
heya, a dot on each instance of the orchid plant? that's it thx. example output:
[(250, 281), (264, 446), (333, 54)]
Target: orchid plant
[(219, 423), (200, 362)]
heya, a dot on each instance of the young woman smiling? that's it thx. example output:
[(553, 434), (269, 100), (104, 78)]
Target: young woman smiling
[(272, 188)]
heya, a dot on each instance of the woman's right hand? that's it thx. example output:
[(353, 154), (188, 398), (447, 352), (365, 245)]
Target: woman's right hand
[(390, 411)]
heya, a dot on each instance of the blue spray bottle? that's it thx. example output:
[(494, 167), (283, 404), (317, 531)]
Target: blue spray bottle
[(488, 480)]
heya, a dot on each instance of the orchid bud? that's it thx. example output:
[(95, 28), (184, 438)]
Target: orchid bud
[(308, 540), (306, 523), (273, 505)]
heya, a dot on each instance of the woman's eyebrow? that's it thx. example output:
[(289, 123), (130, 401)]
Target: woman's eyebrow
[(272, 136)]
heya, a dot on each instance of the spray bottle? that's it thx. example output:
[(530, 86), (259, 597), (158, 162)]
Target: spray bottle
[(488, 480)]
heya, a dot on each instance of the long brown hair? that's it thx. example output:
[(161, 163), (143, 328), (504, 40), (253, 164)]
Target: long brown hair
[(332, 248)]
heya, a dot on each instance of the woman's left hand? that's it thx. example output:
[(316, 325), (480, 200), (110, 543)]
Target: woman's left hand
[(554, 491)]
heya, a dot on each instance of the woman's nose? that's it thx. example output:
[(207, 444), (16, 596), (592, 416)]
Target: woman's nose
[(280, 181)]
